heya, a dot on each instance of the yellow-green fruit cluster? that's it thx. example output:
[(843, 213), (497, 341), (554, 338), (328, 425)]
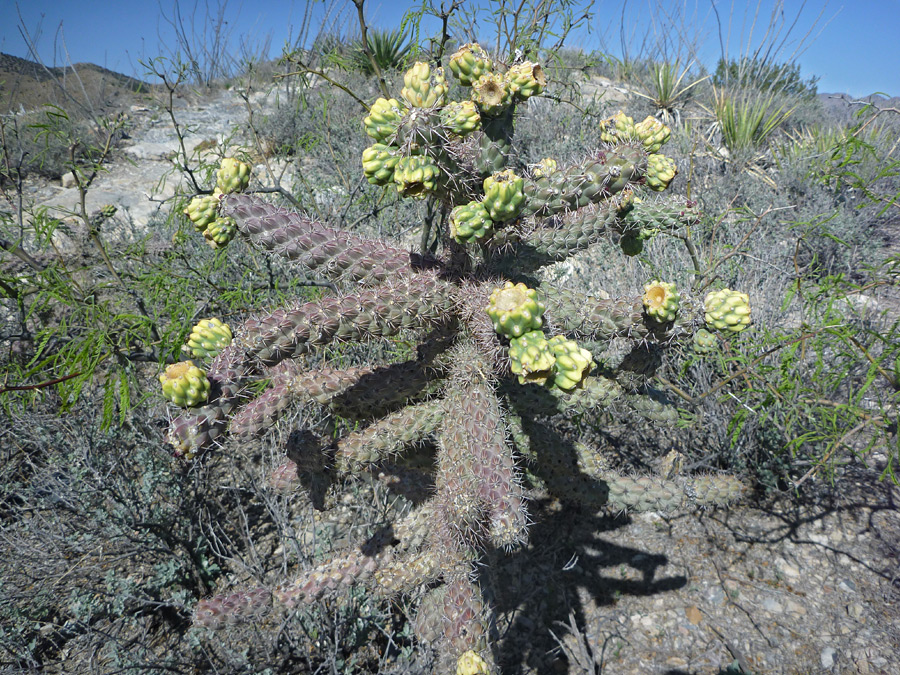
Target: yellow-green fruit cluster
[(383, 119), (491, 94), (461, 117), (515, 310), (108, 211), (652, 133), (379, 162), (661, 301), (544, 168), (705, 342), (470, 663), (660, 172), (233, 175), (531, 357), (470, 222), (220, 232), (470, 62), (184, 384), (525, 80), (727, 310), (203, 210), (425, 87), (416, 176), (618, 128), (504, 195), (573, 362), (207, 338)]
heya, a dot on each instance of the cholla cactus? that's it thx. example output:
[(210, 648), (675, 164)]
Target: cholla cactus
[(485, 379)]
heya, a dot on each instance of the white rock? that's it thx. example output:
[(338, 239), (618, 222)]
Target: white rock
[(827, 657), (68, 180)]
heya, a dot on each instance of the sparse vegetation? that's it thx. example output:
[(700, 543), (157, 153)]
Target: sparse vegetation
[(110, 542)]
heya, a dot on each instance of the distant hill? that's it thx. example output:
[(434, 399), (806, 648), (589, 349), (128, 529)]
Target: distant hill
[(840, 107), (27, 85)]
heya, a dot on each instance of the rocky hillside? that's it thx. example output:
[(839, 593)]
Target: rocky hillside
[(26, 85)]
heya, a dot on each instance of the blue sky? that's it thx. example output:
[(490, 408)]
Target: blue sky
[(853, 47)]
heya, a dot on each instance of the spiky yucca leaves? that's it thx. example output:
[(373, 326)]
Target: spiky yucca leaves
[(482, 400)]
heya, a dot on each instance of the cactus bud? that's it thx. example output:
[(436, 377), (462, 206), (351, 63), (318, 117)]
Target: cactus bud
[(544, 168), (424, 87), (660, 172), (470, 663), (491, 94), (652, 133), (617, 129), (531, 357), (220, 232), (416, 176), (461, 118), (379, 162), (573, 362), (470, 222), (525, 80), (203, 210), (705, 342), (383, 119)]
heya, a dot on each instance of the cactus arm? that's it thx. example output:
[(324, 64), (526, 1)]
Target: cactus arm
[(331, 253)]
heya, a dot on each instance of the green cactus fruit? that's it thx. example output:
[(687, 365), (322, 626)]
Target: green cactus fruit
[(515, 310), (461, 117), (661, 301), (470, 663), (184, 384), (660, 172), (470, 222), (573, 362), (525, 80), (631, 244), (233, 175), (504, 195), (207, 338), (108, 211), (652, 133), (470, 62), (491, 94), (727, 310), (618, 128), (379, 162), (416, 176), (383, 119), (425, 87), (531, 357), (705, 342), (220, 232), (203, 210)]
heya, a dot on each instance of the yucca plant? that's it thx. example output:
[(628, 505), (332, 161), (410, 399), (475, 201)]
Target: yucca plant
[(666, 89), (390, 49), (499, 354), (747, 120)]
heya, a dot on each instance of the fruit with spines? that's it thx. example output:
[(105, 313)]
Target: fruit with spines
[(203, 210), (461, 118), (515, 309), (491, 94), (660, 172), (652, 133), (470, 62), (383, 119), (233, 175), (504, 196), (425, 86), (727, 310), (617, 129), (378, 162), (525, 80), (531, 357), (416, 176), (184, 384), (470, 222), (208, 338), (572, 362), (661, 301)]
